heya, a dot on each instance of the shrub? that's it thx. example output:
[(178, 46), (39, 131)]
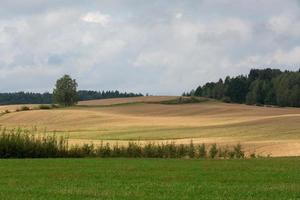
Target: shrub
[(252, 155), (44, 107), (24, 108), (202, 151), (104, 150), (191, 150), (75, 151), (17, 143), (118, 151), (238, 151), (161, 151), (134, 150), (183, 100), (54, 106), (88, 149), (226, 99), (213, 151), (231, 154), (6, 111), (181, 150), (150, 150), (170, 150), (223, 152)]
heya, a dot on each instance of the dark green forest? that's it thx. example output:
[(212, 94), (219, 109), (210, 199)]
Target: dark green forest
[(47, 98), (259, 87)]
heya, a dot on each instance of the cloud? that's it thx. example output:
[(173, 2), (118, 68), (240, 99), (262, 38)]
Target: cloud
[(178, 15), (285, 24), (277, 58), (156, 47), (96, 17)]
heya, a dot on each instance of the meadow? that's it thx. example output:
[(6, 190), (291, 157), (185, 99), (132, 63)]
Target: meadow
[(264, 130), (61, 179)]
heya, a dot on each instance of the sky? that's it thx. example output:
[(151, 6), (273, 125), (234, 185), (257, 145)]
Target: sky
[(160, 47)]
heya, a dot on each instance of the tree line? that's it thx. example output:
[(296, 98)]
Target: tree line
[(259, 87), (47, 98)]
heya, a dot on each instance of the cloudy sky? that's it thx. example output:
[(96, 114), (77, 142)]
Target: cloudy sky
[(158, 46)]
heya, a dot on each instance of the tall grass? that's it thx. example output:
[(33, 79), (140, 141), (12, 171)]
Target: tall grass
[(18, 143)]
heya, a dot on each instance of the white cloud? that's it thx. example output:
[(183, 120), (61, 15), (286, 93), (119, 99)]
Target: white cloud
[(285, 24), (178, 15), (96, 17), (276, 58), (291, 57), (180, 45)]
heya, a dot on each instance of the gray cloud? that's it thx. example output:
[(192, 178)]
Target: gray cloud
[(160, 47)]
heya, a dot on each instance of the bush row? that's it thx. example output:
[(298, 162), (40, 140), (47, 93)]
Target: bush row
[(25, 144), (17, 143)]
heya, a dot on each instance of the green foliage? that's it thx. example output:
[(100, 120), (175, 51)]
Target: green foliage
[(18, 143), (104, 151), (47, 107), (44, 107), (65, 92), (213, 151), (191, 150), (223, 152), (89, 94), (134, 150), (261, 87), (25, 98), (237, 89), (24, 108), (226, 99), (202, 151), (47, 98), (150, 150), (183, 100), (288, 89), (54, 106), (198, 91), (238, 151)]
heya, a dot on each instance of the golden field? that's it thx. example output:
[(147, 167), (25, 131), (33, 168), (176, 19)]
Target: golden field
[(264, 130)]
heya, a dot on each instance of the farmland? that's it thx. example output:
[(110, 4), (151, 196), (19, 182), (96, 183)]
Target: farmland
[(60, 179), (264, 130)]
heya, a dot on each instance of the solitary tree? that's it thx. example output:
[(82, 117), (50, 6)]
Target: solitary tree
[(65, 92)]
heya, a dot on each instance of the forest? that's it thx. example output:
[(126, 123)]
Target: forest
[(47, 98), (259, 87)]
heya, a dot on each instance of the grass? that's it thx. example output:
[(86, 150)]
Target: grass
[(113, 101), (139, 119), (183, 100), (24, 144), (61, 179)]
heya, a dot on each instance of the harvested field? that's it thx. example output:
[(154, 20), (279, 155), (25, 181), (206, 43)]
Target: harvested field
[(265, 130)]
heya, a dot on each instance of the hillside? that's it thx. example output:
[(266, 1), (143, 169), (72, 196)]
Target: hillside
[(264, 130), (143, 99)]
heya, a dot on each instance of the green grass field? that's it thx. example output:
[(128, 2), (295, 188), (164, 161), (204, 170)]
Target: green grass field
[(276, 178)]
